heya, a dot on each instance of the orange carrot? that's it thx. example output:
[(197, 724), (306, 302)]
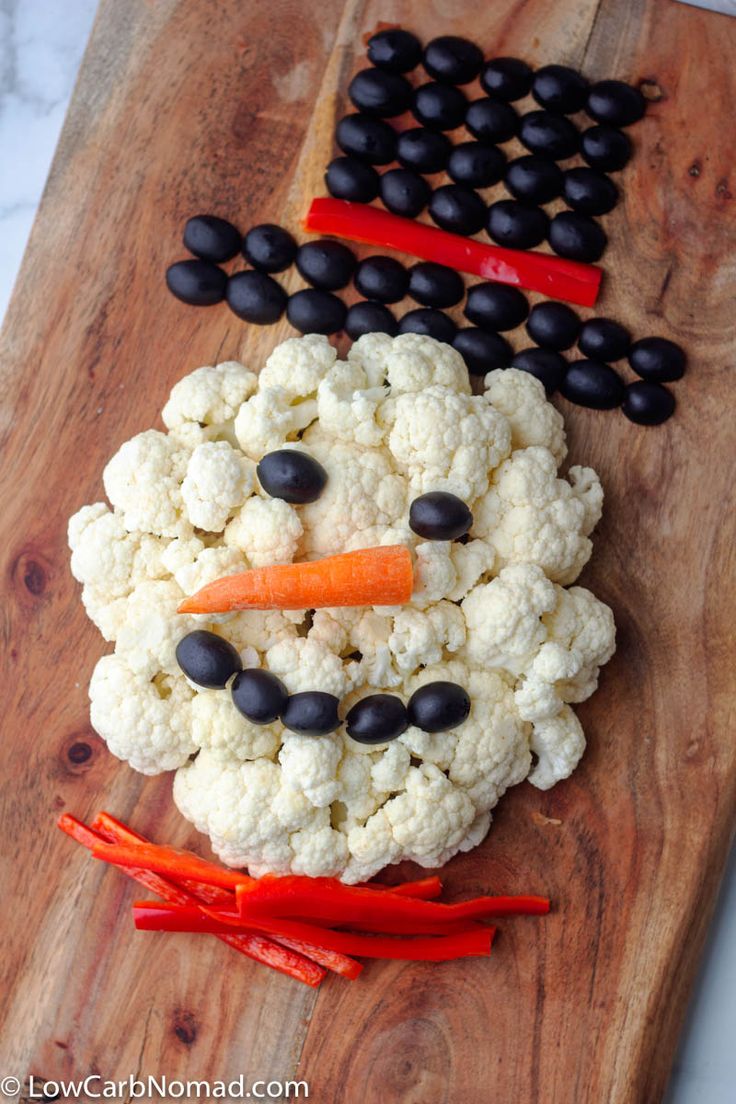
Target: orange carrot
[(381, 576)]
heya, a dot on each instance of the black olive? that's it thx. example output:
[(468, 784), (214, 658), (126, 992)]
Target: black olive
[(440, 516), (212, 238), (404, 192), (311, 713), (553, 325), (603, 339), (605, 148), (326, 264), (614, 102), (379, 93), (291, 475), (648, 403), (199, 283), (506, 78), (546, 365), (256, 297), (382, 278), (425, 151), (370, 140), (452, 60), (476, 164), (435, 285), (482, 351), (577, 237), (657, 359), (491, 121), (458, 209), (368, 317), (433, 323), (207, 659), (439, 106), (495, 307), (589, 191), (438, 706), (258, 695), (269, 248), (348, 178), (549, 135), (560, 89), (517, 225), (534, 179), (315, 311), (394, 50), (377, 719), (590, 383)]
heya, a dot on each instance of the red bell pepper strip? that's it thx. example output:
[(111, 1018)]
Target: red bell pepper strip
[(254, 946), (150, 916), (171, 861), (424, 888), (554, 276)]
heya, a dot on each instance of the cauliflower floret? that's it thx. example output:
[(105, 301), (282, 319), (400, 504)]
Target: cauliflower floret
[(371, 352), (145, 722), (522, 399), (430, 818), (203, 404), (267, 420), (152, 629), (259, 629), (420, 638), (347, 406), (360, 631), (559, 743), (266, 530), (298, 365), (218, 480), (416, 362), (390, 768), (531, 516), (434, 573), (309, 764), (372, 846), (356, 793), (504, 618), (445, 441), (471, 561), (143, 482), (218, 726), (319, 852), (306, 664), (210, 564), (492, 750)]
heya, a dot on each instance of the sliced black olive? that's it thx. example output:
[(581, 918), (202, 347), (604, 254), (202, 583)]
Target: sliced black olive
[(377, 719), (506, 78), (326, 264), (316, 311), (657, 359), (549, 135), (495, 307), (199, 283), (491, 121), (482, 351), (452, 60), (212, 238), (269, 248), (425, 151), (438, 706), (292, 475), (435, 285), (476, 164), (395, 50), (259, 695), (589, 191), (311, 713), (439, 106), (368, 317), (433, 323), (404, 192), (380, 93), (616, 103), (458, 209), (517, 225), (534, 179), (603, 339), (648, 403), (589, 383), (381, 278), (560, 89), (207, 659), (370, 140), (553, 325), (348, 178), (256, 297), (605, 148), (440, 516), (544, 364), (576, 236)]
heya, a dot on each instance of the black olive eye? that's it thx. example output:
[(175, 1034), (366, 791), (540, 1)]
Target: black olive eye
[(311, 713), (377, 719), (438, 706), (258, 695), (292, 475), (207, 659), (439, 515)]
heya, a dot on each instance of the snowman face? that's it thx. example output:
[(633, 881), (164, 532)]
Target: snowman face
[(387, 449)]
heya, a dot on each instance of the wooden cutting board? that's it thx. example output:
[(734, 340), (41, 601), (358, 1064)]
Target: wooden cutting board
[(230, 108)]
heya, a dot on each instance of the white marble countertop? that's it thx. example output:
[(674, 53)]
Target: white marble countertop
[(41, 46)]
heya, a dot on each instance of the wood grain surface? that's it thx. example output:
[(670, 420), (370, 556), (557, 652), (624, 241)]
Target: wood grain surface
[(230, 108)]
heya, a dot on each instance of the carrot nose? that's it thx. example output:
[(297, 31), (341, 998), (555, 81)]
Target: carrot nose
[(382, 576)]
